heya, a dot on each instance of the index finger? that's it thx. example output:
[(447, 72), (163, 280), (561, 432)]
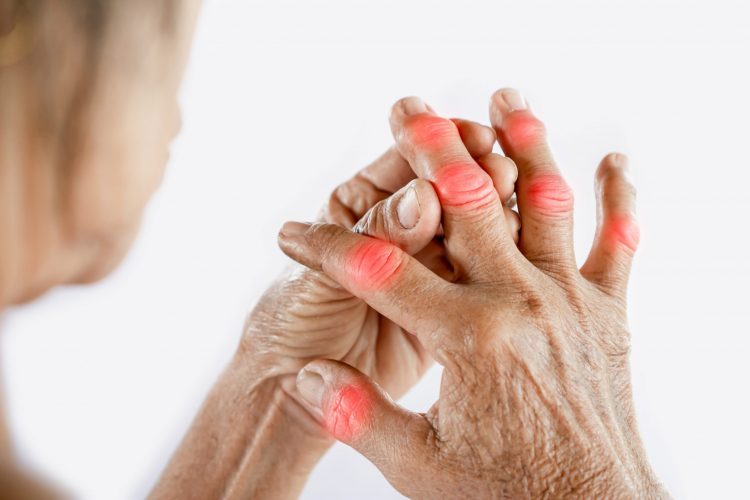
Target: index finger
[(387, 278)]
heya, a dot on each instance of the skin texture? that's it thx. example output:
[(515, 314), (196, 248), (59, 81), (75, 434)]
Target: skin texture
[(69, 218), (535, 399), (307, 315)]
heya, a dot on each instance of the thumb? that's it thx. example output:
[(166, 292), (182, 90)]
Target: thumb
[(357, 412), (409, 218)]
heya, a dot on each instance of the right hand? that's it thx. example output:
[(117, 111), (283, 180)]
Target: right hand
[(306, 315), (535, 397)]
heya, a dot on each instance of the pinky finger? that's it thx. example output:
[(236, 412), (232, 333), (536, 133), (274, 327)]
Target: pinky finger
[(617, 234)]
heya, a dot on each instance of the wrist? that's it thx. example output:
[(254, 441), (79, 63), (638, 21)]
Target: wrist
[(250, 439), (286, 442)]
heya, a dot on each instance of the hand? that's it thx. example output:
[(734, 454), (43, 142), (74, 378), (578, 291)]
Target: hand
[(307, 315), (535, 399), (252, 420)]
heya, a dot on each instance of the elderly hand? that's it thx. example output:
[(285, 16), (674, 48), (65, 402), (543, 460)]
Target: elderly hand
[(253, 438), (307, 315), (535, 399)]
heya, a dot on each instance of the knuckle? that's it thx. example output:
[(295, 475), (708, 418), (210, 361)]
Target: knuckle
[(428, 131), (465, 186), (524, 129), (373, 264), (622, 231), (348, 412), (550, 195)]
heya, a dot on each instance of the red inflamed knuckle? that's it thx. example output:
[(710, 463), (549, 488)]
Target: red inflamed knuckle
[(348, 412), (428, 131), (622, 232), (373, 264), (550, 195), (465, 186), (523, 130)]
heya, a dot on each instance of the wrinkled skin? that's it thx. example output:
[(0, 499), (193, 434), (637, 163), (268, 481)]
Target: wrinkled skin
[(307, 315), (535, 399), (254, 418)]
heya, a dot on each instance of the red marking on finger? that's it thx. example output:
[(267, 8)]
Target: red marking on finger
[(372, 264), (550, 195), (522, 130), (621, 230), (430, 132), (348, 412), (465, 185)]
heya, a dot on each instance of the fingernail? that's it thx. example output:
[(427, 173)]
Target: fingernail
[(408, 209), (506, 101), (293, 229), (513, 99), (413, 106), (311, 387)]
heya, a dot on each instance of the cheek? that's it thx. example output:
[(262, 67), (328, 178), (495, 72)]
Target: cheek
[(348, 413), (621, 231), (373, 264)]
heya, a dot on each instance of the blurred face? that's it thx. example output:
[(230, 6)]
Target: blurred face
[(125, 129)]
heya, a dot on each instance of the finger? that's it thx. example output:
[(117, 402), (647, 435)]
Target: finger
[(388, 279), (503, 172), (617, 235), (352, 199), (513, 222), (545, 202), (387, 174), (479, 139), (409, 218), (390, 172), (354, 410), (475, 234)]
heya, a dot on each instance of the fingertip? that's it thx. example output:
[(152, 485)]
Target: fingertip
[(409, 219), (479, 139), (409, 106), (616, 192), (292, 231), (504, 102), (613, 164)]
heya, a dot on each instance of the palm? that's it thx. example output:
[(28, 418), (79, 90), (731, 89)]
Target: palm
[(307, 316)]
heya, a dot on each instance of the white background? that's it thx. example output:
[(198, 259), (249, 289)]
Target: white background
[(285, 99)]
